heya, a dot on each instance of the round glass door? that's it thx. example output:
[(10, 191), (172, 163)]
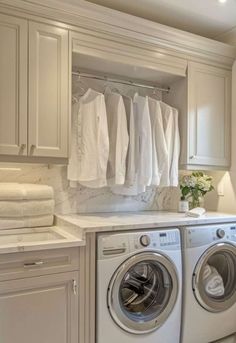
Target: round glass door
[(142, 292), (214, 278)]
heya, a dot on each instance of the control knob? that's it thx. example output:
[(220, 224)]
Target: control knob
[(145, 240), (220, 233)]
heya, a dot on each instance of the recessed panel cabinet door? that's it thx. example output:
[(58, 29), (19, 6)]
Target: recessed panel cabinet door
[(39, 310), (48, 91), (13, 86), (209, 115)]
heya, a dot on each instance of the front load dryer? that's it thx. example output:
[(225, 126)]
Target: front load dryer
[(209, 286), (139, 282)]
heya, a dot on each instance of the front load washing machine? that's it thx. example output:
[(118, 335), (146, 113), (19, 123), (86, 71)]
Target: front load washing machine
[(139, 282), (209, 286)]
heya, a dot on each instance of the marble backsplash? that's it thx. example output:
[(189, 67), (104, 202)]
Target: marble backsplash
[(84, 200)]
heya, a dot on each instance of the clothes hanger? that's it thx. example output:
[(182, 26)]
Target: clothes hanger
[(155, 95), (108, 89), (82, 86)]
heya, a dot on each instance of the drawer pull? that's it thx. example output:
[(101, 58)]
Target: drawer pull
[(75, 287), (33, 264), (115, 251)]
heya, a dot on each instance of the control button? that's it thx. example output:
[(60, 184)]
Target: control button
[(220, 233), (145, 240)]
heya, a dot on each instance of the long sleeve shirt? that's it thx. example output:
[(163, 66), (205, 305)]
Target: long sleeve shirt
[(89, 141)]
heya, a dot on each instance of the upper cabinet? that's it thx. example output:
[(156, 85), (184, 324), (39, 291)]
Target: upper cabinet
[(34, 115), (204, 103), (48, 91), (13, 85), (37, 55), (209, 105)]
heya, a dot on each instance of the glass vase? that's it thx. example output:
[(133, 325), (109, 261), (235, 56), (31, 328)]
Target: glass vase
[(196, 202)]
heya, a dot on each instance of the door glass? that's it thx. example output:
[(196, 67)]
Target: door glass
[(218, 276), (145, 291)]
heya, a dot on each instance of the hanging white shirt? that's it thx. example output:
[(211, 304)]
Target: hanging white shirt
[(174, 168), (145, 140), (170, 123), (89, 141), (131, 161), (159, 147), (143, 150), (118, 138)]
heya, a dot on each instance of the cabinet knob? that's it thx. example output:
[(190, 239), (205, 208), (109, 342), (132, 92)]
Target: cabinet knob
[(191, 157), (23, 146), (32, 148)]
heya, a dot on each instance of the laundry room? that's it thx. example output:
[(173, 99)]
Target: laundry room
[(117, 171)]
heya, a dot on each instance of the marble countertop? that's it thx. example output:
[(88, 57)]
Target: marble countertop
[(98, 222), (70, 230), (35, 239)]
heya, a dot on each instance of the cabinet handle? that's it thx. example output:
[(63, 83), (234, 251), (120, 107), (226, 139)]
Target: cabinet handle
[(23, 146), (74, 286), (33, 264), (191, 157), (32, 148)]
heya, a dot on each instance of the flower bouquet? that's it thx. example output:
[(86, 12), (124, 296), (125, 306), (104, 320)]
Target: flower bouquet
[(194, 187)]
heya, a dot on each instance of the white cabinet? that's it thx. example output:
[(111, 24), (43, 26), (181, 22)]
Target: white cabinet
[(13, 86), (48, 90), (34, 82), (41, 309), (204, 102), (209, 115)]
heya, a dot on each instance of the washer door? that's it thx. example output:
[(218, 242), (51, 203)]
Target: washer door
[(143, 292), (217, 291)]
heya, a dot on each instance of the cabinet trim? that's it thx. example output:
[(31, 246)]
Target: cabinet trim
[(35, 147), (21, 27)]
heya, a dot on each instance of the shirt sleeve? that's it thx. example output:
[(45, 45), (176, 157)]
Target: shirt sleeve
[(145, 172), (174, 170), (121, 144)]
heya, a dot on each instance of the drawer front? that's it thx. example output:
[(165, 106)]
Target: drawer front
[(29, 264)]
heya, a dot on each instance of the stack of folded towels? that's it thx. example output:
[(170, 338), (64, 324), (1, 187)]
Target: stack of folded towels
[(25, 205), (213, 282)]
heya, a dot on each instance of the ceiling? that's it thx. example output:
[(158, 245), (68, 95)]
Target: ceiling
[(208, 18)]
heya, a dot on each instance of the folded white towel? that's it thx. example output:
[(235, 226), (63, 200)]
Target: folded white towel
[(26, 208), (206, 272), (18, 223), (18, 191), (196, 212), (213, 282)]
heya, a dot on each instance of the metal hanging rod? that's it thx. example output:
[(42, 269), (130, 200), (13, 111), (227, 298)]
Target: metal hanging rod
[(122, 82)]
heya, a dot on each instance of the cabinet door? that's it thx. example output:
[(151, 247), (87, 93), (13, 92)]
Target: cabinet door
[(209, 115), (39, 310), (48, 91), (13, 86)]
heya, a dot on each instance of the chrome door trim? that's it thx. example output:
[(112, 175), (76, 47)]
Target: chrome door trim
[(205, 301), (114, 307)]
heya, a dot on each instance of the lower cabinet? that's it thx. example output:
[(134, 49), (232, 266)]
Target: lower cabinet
[(40, 309)]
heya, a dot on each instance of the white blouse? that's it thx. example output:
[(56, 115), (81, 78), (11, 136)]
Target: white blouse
[(118, 138), (89, 141), (144, 131), (141, 138), (174, 170), (159, 147), (171, 129), (131, 161)]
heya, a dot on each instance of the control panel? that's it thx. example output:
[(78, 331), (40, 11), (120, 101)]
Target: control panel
[(154, 240), (203, 235), (116, 244)]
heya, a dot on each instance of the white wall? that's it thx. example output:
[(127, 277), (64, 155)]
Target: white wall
[(226, 182)]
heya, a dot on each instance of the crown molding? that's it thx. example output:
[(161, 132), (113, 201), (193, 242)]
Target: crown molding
[(101, 19), (228, 37)]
